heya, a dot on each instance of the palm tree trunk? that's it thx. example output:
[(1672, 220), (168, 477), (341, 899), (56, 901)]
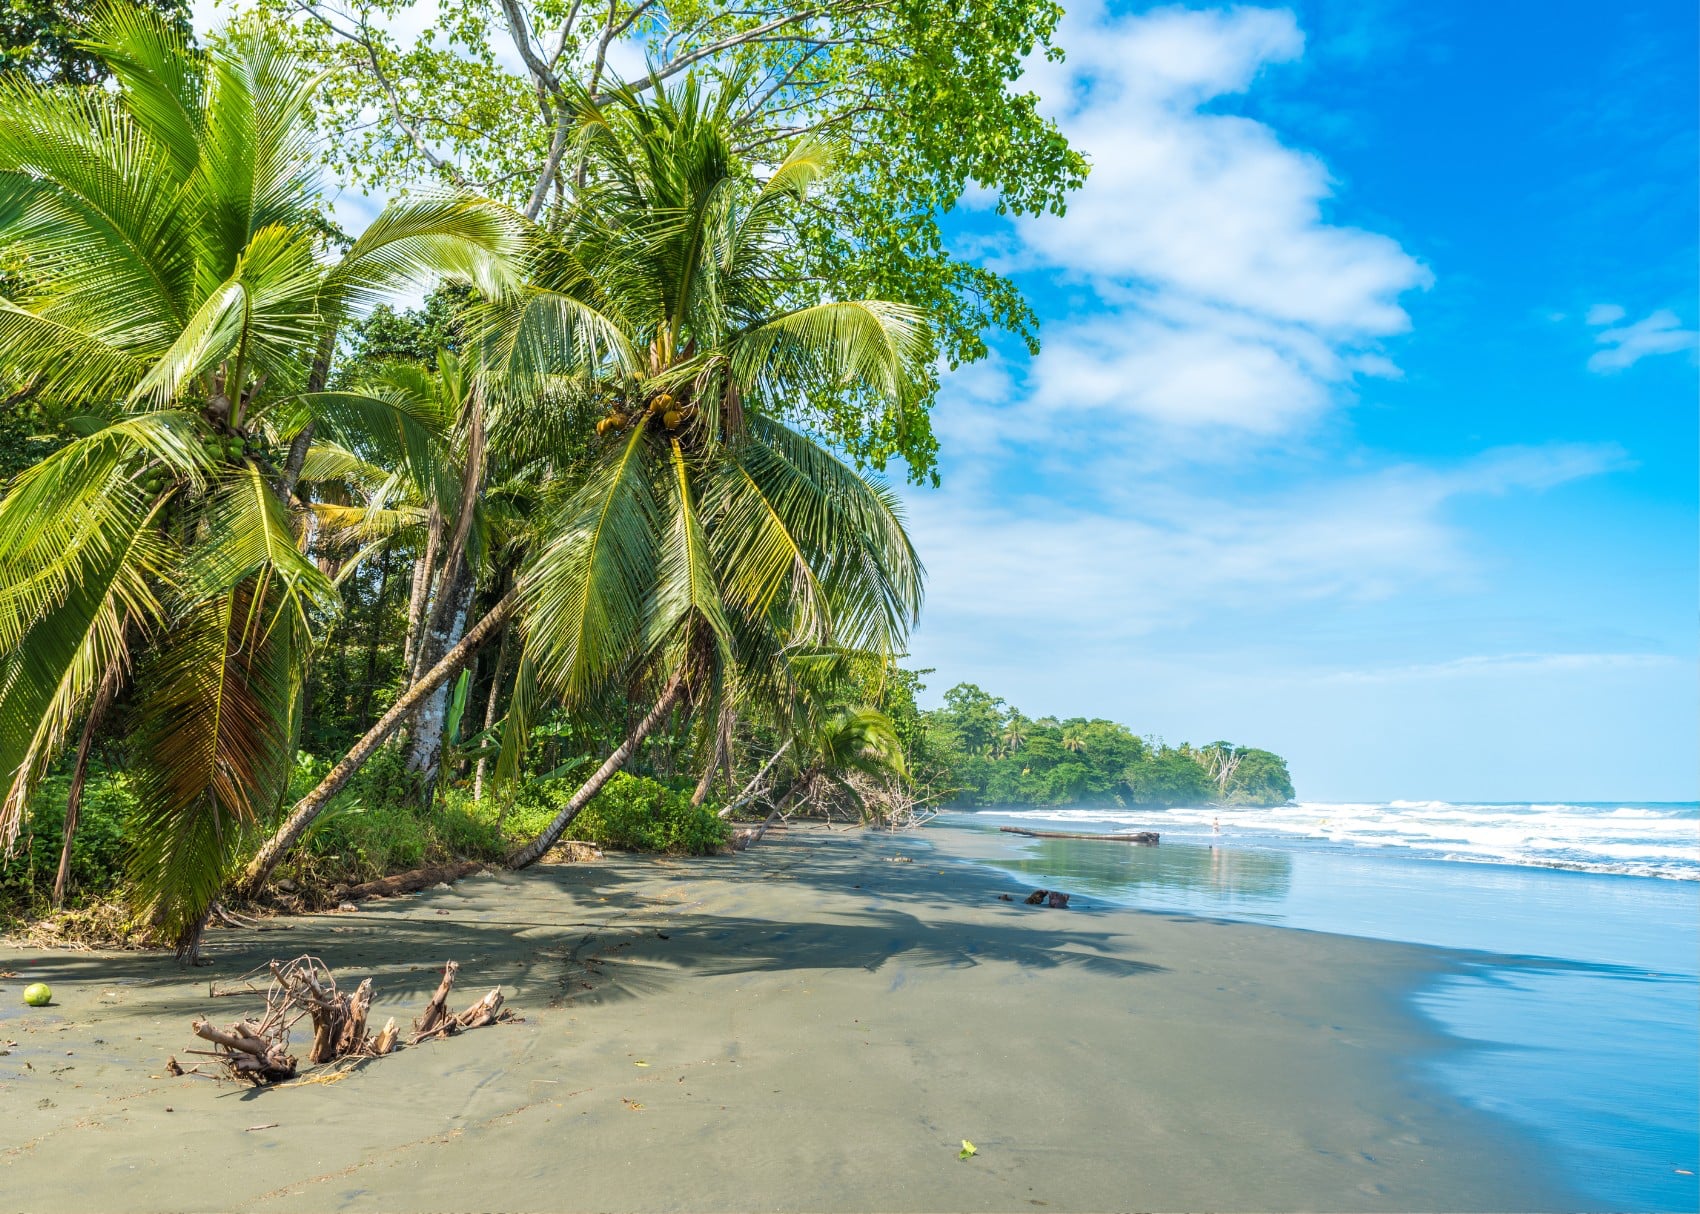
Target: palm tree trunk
[(309, 807), (474, 481), (317, 377), (419, 600), (705, 784), (425, 739), (103, 697), (490, 709), (534, 851)]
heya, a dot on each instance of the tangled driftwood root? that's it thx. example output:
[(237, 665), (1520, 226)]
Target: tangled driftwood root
[(257, 1051)]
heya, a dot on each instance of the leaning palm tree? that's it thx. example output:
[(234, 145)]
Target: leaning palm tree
[(392, 464), (847, 762), (709, 538), (178, 290), (714, 538)]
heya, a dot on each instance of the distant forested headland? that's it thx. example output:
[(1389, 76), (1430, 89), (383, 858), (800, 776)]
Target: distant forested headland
[(978, 750)]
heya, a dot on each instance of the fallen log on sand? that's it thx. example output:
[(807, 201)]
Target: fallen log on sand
[(1146, 838), (408, 882)]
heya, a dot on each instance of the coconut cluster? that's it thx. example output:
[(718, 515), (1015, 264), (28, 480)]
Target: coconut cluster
[(227, 447), (663, 406)]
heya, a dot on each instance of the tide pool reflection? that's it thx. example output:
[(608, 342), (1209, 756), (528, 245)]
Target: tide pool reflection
[(1225, 876)]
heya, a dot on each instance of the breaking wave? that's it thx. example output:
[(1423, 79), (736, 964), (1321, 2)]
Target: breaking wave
[(1642, 840)]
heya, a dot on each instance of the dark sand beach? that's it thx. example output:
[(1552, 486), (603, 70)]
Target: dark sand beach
[(813, 1025)]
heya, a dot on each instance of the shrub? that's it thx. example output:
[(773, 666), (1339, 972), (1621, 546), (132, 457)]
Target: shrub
[(374, 827), (631, 812), (97, 855)]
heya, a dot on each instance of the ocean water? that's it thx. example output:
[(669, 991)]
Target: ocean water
[(1575, 930)]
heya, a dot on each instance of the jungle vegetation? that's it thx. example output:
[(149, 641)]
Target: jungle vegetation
[(986, 752), (549, 502)]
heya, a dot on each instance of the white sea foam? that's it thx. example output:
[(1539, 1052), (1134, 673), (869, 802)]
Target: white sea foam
[(1638, 840)]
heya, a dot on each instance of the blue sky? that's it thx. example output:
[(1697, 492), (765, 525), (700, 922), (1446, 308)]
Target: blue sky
[(1365, 427)]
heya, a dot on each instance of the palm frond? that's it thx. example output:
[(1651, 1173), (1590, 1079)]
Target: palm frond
[(69, 640), (685, 585), (864, 343), (248, 538), (516, 725), (75, 506), (415, 241), (257, 316), (161, 79), (529, 335), (586, 592), (214, 743)]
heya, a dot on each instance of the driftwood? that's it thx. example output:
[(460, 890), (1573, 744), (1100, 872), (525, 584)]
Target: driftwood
[(434, 1014), (408, 882), (251, 1058), (1045, 897), (1146, 838), (437, 1022), (257, 1051)]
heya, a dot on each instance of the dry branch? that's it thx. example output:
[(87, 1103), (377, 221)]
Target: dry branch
[(257, 1051), (433, 1015)]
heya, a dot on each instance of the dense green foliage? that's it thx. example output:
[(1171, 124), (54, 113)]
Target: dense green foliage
[(920, 100), (41, 39), (254, 514), (178, 290), (97, 861), (635, 813), (374, 828), (988, 753)]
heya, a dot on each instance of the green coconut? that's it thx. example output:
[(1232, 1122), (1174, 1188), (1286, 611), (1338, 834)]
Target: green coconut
[(38, 994)]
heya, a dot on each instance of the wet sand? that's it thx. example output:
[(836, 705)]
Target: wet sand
[(809, 1026)]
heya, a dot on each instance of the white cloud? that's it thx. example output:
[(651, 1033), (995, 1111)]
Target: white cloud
[(1103, 501), (1625, 345), (1029, 575), (1497, 665), (1228, 299)]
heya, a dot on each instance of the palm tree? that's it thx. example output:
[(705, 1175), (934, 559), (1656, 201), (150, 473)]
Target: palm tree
[(851, 753), (1073, 739), (178, 291), (713, 539), (708, 542), (395, 463), (1016, 731)]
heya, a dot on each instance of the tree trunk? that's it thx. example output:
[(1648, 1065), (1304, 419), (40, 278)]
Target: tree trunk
[(419, 601), (706, 784), (443, 601), (376, 634), (317, 377), (309, 807), (490, 709), (425, 739), (752, 789), (103, 697), (294, 462), (534, 851)]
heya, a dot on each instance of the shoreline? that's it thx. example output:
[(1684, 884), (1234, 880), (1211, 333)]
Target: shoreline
[(822, 1026)]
